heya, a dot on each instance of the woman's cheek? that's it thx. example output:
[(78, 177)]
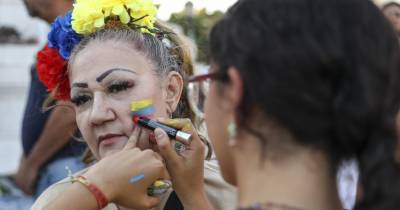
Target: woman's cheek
[(87, 134)]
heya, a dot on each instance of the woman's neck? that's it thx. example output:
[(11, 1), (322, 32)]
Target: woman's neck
[(301, 179)]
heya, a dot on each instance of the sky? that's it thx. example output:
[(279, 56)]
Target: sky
[(170, 6)]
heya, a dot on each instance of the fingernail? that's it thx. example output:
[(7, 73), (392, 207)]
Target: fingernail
[(159, 187)]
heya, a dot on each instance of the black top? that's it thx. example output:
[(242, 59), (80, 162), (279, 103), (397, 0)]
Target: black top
[(173, 203), (35, 119)]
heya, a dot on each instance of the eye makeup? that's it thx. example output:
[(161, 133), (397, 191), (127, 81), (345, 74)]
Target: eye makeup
[(119, 85), (80, 99), (81, 95)]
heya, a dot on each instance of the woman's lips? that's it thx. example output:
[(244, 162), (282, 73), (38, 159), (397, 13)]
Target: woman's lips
[(110, 139)]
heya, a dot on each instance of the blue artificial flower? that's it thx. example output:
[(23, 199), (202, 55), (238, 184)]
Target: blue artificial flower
[(62, 36)]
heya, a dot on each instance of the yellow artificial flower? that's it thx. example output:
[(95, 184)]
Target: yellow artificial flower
[(143, 13), (87, 16), (118, 8), (91, 15)]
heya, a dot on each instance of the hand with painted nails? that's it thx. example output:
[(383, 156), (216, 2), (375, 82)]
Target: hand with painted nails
[(124, 177), (186, 168)]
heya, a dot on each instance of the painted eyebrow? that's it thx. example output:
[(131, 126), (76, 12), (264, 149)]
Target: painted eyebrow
[(80, 85), (108, 72)]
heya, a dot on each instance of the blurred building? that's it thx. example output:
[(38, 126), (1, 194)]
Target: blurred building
[(16, 57)]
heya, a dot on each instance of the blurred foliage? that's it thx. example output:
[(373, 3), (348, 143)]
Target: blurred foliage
[(197, 27)]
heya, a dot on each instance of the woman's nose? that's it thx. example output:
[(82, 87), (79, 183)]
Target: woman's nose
[(101, 110)]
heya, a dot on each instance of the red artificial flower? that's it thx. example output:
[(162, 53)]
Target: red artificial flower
[(52, 72)]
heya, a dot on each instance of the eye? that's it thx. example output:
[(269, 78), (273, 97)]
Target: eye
[(119, 86), (80, 100)]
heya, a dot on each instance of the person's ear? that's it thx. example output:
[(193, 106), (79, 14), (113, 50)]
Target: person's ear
[(174, 87), (234, 89)]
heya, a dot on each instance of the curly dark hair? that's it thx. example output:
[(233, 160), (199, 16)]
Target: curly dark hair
[(328, 72)]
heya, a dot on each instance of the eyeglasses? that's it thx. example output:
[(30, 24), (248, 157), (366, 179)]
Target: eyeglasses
[(198, 87), (208, 76)]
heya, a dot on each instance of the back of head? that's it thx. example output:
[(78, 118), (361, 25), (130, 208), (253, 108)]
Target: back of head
[(328, 71)]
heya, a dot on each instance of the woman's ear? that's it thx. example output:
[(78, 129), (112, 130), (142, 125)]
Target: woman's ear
[(234, 92), (173, 87)]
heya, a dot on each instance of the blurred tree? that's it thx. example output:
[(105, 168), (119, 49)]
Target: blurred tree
[(196, 24)]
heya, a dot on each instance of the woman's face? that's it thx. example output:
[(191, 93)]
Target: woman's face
[(217, 118), (105, 78)]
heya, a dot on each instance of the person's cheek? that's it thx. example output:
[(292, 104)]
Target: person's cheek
[(87, 133)]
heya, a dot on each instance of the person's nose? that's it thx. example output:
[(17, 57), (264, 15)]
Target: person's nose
[(101, 111)]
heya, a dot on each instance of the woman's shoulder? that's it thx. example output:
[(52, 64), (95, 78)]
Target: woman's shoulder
[(213, 177), (221, 194)]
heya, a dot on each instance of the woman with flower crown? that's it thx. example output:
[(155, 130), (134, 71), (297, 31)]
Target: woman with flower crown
[(102, 56)]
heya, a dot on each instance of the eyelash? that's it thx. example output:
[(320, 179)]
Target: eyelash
[(119, 86), (113, 88), (79, 100)]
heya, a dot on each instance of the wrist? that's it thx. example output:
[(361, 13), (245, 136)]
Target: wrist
[(97, 180), (197, 200), (101, 199)]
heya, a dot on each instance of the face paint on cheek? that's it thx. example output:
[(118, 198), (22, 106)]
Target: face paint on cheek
[(143, 108)]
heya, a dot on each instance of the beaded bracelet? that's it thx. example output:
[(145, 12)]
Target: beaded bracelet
[(101, 199)]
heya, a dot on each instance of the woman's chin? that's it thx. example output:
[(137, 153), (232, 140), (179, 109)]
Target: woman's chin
[(108, 150)]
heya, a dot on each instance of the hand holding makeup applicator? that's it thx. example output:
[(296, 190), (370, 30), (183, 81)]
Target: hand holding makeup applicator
[(141, 110)]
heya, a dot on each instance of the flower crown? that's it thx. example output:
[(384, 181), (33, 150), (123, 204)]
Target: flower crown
[(87, 17)]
